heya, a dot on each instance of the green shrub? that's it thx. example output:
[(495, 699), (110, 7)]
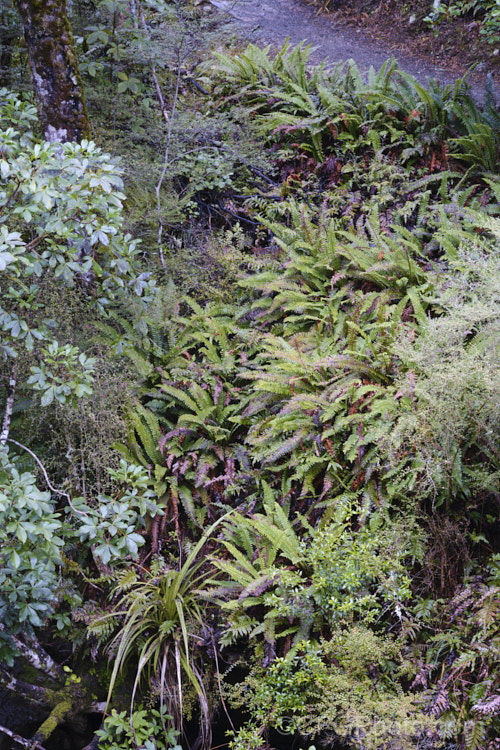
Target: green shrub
[(142, 728), (345, 688)]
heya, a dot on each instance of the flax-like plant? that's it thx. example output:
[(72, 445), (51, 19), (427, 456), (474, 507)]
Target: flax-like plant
[(162, 616)]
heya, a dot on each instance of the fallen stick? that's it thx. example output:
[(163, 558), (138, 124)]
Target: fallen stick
[(20, 740)]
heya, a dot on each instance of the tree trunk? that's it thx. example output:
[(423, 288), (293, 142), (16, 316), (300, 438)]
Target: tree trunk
[(52, 699), (54, 69)]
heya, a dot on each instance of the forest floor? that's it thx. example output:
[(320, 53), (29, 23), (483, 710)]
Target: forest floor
[(370, 38)]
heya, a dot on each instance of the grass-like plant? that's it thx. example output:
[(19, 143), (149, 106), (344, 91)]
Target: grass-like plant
[(163, 616)]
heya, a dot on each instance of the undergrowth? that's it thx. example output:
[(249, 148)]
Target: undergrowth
[(349, 378), (311, 395)]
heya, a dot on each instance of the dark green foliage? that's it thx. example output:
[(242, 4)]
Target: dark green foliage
[(459, 666), (282, 582), (338, 112), (331, 691), (319, 385), (335, 391)]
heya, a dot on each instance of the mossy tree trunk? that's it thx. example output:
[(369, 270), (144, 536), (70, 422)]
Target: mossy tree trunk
[(51, 693), (54, 69)]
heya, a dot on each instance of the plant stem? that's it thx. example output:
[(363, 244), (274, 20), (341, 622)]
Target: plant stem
[(166, 159), (46, 477), (159, 94), (9, 406)]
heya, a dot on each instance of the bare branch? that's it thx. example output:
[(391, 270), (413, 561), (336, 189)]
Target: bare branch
[(159, 94), (46, 476), (34, 694), (39, 659), (166, 162), (20, 740), (9, 406)]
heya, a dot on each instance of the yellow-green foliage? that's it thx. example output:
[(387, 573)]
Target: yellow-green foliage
[(342, 688), (452, 380)]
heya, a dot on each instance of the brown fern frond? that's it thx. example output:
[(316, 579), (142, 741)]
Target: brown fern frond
[(488, 707), (440, 702)]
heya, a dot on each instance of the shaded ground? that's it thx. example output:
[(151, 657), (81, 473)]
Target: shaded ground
[(337, 40), (400, 26)]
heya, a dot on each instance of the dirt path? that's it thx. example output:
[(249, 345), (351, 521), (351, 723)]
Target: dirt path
[(272, 21)]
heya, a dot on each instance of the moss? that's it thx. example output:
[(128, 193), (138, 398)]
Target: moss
[(29, 674), (68, 702), (54, 67), (57, 716)]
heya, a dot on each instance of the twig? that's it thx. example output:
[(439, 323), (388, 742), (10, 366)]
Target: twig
[(46, 476), (34, 243), (214, 645), (257, 195), (21, 740), (166, 162), (159, 94), (197, 85), (11, 197)]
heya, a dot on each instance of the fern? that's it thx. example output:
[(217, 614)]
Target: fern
[(144, 434)]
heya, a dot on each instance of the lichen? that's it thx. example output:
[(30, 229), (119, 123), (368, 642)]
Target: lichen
[(54, 68)]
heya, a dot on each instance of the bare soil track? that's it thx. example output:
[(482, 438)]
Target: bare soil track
[(273, 21)]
